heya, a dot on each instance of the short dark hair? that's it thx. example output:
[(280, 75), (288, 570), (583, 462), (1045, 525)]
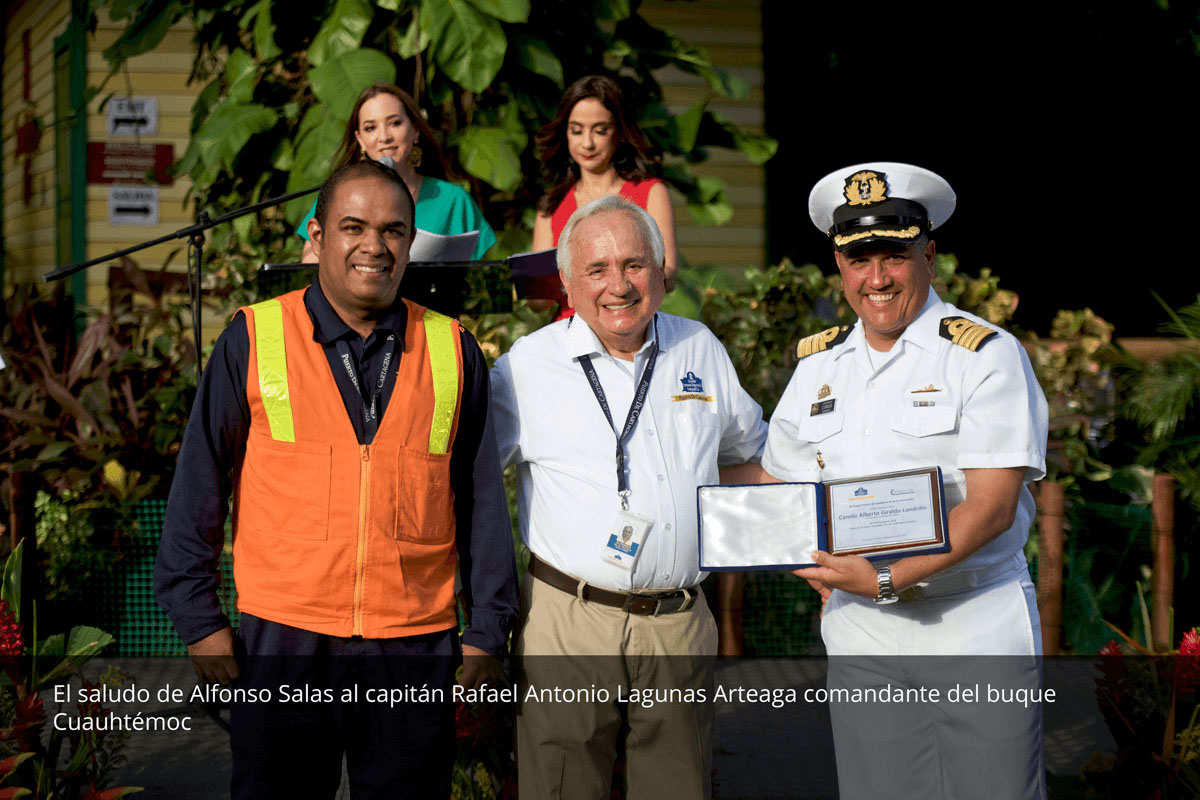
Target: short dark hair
[(362, 169)]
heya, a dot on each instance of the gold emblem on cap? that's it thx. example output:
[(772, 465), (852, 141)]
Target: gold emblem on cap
[(824, 392), (865, 189)]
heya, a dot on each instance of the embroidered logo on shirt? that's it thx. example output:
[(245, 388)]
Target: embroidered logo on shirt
[(693, 389)]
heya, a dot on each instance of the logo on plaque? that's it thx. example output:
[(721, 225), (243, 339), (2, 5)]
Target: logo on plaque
[(860, 492)]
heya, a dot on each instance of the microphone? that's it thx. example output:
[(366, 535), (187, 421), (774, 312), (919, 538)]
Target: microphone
[(388, 162)]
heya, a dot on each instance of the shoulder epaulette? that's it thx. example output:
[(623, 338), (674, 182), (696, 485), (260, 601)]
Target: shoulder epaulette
[(965, 332), (830, 337)]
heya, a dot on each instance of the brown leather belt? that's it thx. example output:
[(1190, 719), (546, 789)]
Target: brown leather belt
[(650, 604)]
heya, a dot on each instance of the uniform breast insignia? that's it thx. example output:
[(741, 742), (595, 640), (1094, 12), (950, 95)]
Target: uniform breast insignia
[(965, 333), (693, 389), (824, 340)]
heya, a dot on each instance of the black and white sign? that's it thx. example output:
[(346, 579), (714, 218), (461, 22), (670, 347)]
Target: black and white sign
[(130, 116), (132, 205)]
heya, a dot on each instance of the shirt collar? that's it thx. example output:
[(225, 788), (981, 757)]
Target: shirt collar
[(919, 332), (583, 341), (328, 327)]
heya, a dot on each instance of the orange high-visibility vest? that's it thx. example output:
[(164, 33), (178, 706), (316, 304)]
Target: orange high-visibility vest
[(330, 535)]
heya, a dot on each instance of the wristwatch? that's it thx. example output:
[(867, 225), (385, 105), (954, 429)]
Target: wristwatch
[(887, 593)]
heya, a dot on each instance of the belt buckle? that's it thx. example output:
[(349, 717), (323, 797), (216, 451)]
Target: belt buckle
[(630, 599)]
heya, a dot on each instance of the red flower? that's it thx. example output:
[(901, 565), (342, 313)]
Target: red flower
[(1111, 649), (1187, 663), (11, 641)]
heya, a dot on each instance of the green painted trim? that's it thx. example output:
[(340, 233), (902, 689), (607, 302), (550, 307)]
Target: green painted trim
[(74, 41)]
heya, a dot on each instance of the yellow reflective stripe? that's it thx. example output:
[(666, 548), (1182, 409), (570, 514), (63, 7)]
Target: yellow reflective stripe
[(272, 369), (439, 339)]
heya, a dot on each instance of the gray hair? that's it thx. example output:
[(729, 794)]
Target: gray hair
[(645, 223)]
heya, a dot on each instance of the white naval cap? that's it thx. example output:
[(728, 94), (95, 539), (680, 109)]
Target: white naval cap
[(881, 200)]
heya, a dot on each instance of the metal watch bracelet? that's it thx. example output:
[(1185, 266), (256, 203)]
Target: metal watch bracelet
[(887, 592)]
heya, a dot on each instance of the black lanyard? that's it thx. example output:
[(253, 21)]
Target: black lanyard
[(369, 413), (635, 411)]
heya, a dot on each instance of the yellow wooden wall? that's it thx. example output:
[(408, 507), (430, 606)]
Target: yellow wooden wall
[(29, 232), (29, 228), (730, 31)]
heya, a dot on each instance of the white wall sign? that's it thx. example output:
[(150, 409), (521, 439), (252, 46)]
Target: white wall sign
[(132, 205), (128, 116)]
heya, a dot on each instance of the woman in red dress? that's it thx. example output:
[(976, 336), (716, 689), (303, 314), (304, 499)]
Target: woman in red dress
[(591, 148)]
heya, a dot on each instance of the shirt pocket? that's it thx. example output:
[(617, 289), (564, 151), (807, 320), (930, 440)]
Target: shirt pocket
[(925, 421), (424, 500), (819, 427), (285, 488)]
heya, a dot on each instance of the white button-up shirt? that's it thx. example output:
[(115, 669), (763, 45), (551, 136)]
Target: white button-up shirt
[(549, 423), (929, 403)]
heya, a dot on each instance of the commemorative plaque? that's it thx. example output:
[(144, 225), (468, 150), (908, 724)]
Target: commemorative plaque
[(779, 525)]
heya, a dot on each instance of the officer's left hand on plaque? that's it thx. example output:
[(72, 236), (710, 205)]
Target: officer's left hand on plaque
[(479, 668), (213, 658), (850, 573)]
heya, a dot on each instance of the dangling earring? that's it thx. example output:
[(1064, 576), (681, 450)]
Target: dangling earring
[(414, 155), (362, 153)]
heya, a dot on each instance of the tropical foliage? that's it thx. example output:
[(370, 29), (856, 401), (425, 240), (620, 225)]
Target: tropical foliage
[(280, 81), (31, 761)]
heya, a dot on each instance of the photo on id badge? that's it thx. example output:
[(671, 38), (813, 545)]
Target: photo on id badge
[(625, 541)]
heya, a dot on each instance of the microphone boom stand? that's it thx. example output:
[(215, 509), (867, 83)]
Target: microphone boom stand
[(194, 234)]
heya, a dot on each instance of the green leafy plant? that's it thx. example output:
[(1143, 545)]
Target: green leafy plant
[(1073, 368), (1162, 399), (280, 82), (31, 761)]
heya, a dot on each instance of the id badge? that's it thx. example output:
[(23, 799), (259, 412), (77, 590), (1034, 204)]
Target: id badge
[(625, 539)]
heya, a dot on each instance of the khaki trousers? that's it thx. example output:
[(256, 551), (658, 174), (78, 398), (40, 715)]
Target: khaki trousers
[(591, 677)]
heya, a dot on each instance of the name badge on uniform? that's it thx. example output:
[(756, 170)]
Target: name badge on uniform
[(625, 539), (823, 407)]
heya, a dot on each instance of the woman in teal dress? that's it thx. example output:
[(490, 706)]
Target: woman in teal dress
[(386, 122)]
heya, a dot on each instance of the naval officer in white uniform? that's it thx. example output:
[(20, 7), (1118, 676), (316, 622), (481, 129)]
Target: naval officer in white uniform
[(916, 382)]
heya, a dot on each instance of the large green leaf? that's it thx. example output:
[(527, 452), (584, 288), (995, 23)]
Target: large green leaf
[(490, 155), (316, 143), (81, 644), (341, 32), (264, 30), (414, 39), (535, 55), (504, 10), (144, 33), (709, 205), (222, 137), (687, 126), (467, 44), (338, 82), (239, 74), (10, 585)]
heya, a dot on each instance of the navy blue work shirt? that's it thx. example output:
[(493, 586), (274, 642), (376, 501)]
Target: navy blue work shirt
[(186, 573)]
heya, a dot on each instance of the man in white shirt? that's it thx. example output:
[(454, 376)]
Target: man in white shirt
[(918, 383), (613, 418)]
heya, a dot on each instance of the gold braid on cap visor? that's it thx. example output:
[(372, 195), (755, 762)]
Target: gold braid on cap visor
[(911, 232)]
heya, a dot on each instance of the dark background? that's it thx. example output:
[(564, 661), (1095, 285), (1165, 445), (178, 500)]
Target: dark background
[(1066, 130)]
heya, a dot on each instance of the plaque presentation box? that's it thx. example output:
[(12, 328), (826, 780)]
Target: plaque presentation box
[(779, 525)]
